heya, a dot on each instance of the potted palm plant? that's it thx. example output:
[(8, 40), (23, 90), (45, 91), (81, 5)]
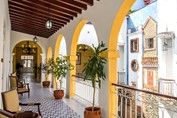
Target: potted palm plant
[(94, 71), (60, 69)]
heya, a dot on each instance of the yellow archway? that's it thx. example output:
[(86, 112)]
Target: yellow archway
[(57, 47), (112, 54), (19, 47), (73, 56)]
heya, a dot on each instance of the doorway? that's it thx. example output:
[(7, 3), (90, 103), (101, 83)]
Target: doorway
[(28, 63)]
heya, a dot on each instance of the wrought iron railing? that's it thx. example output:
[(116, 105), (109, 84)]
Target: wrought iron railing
[(122, 78), (136, 103), (167, 87), (84, 91)]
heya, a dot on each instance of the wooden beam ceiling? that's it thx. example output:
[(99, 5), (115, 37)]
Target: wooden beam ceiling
[(29, 16)]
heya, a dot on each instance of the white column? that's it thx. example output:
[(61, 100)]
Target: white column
[(42, 74)]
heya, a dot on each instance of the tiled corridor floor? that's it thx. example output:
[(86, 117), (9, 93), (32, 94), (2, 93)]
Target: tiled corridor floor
[(51, 108)]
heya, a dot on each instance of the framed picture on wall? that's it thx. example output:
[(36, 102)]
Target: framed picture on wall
[(78, 62)]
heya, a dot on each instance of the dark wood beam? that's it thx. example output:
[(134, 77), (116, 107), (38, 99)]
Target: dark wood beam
[(62, 5), (44, 14), (35, 29), (37, 15), (22, 30), (42, 23), (31, 25), (74, 4), (27, 30), (42, 8), (88, 2)]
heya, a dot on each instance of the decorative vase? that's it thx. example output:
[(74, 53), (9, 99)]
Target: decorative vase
[(46, 84), (88, 113), (58, 94)]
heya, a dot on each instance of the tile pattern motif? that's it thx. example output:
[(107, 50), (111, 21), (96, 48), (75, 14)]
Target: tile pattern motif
[(50, 108)]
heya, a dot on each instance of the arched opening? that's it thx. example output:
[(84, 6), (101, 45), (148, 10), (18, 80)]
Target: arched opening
[(84, 38), (27, 55), (60, 49)]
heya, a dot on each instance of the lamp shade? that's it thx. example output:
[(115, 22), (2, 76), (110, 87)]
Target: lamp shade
[(48, 24)]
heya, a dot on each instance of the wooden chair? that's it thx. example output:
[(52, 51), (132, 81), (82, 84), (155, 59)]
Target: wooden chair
[(21, 87), (6, 114), (11, 104)]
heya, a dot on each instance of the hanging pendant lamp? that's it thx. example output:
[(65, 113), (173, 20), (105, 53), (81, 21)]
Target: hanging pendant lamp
[(48, 23)]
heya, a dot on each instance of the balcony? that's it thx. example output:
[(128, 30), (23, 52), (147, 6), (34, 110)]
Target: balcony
[(136, 103), (167, 87), (131, 102)]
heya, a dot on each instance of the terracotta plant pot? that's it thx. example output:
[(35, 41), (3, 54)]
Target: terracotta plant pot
[(46, 84), (88, 113), (58, 94)]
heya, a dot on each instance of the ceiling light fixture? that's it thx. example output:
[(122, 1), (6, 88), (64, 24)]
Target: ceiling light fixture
[(48, 23), (28, 49), (83, 48)]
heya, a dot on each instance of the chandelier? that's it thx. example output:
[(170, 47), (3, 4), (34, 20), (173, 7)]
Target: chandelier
[(83, 47), (28, 49)]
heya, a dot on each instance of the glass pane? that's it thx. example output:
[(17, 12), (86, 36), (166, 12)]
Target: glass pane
[(29, 63), (30, 57), (24, 65), (22, 57)]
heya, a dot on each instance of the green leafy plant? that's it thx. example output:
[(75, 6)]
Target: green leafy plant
[(47, 67), (94, 68), (61, 67), (131, 11)]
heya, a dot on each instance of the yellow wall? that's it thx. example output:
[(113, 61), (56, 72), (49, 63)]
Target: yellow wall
[(84, 58)]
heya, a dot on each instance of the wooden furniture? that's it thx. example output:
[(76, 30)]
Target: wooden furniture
[(11, 104), (21, 87), (6, 114)]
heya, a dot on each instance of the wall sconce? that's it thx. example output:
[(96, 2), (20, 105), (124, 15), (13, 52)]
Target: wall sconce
[(35, 39)]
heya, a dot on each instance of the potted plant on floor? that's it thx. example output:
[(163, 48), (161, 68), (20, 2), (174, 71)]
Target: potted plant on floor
[(94, 71), (60, 69), (47, 69)]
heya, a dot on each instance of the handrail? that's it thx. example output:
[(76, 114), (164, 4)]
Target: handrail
[(78, 76), (166, 79), (145, 91)]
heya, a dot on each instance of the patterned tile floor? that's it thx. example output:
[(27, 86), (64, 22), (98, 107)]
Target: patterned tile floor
[(50, 108)]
